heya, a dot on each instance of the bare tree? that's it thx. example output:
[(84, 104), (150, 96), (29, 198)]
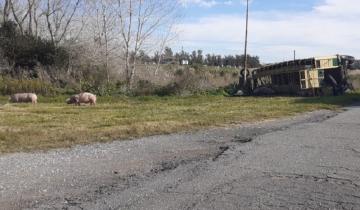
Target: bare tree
[(31, 4), (167, 35), (103, 26), (26, 13), (5, 10), (36, 15), (59, 15), (139, 22), (22, 12)]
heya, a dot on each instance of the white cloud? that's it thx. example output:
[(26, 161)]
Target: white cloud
[(337, 8), (202, 3), (329, 28), (205, 3)]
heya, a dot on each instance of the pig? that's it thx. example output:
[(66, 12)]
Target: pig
[(82, 98), (73, 100), (23, 98)]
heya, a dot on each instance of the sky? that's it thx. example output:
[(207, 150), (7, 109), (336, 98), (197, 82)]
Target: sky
[(276, 28)]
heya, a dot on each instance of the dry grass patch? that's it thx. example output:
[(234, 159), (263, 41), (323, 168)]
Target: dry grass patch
[(51, 124)]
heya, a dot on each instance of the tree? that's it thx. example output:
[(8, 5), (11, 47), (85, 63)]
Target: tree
[(25, 13), (143, 57), (5, 11), (139, 21), (59, 15), (193, 57), (21, 13), (219, 60), (168, 53), (164, 38), (103, 25), (24, 51), (199, 57)]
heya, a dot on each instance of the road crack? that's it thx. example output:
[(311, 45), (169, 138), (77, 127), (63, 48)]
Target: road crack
[(222, 150)]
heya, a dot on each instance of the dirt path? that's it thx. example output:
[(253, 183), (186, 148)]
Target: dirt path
[(310, 161)]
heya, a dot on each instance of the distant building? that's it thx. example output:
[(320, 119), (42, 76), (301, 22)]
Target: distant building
[(184, 62)]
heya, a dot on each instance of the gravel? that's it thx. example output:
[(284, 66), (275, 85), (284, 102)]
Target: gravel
[(308, 161)]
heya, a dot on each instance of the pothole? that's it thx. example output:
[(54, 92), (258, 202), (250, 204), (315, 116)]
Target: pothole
[(241, 139)]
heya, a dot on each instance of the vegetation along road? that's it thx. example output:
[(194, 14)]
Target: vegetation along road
[(307, 161), (53, 124)]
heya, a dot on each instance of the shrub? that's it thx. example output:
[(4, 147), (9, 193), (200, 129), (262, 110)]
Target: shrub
[(197, 66), (144, 88), (10, 86), (179, 72), (25, 51), (215, 92), (222, 73), (168, 90), (231, 89), (102, 89)]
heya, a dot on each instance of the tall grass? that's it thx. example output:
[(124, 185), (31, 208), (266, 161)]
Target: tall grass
[(54, 124), (10, 86)]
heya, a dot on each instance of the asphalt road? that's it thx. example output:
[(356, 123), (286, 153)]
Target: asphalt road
[(307, 162)]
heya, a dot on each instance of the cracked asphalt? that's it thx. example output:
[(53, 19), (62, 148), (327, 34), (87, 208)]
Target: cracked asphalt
[(310, 161)]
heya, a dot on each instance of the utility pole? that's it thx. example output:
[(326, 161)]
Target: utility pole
[(246, 42)]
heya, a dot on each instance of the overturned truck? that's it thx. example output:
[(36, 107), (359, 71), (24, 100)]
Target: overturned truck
[(305, 77)]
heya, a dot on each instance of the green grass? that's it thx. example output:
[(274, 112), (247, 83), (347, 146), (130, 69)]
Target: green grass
[(53, 124)]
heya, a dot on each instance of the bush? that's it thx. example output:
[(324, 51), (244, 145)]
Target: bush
[(179, 72), (169, 90), (103, 89), (10, 86), (214, 92), (222, 73), (196, 66), (144, 88), (231, 89), (25, 51)]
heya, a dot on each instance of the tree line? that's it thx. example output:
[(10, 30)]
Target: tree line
[(72, 41), (197, 57), (101, 35)]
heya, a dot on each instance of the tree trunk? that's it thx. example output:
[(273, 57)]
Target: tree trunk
[(132, 74), (30, 16), (127, 71), (6, 11)]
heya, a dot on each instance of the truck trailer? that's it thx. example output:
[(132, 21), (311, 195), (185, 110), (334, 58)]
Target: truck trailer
[(304, 77)]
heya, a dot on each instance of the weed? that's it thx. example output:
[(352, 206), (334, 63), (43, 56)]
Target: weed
[(53, 124)]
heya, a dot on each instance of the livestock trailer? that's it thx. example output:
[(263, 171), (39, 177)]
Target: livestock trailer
[(312, 76)]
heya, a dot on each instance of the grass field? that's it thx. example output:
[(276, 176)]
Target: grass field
[(53, 124)]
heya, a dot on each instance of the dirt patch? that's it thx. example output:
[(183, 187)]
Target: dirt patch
[(241, 139)]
